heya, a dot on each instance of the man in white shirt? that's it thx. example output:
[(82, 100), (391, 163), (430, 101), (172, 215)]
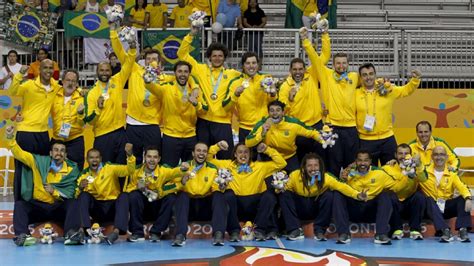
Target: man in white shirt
[(10, 69)]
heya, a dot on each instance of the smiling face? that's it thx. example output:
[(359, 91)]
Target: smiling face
[(340, 64), (402, 153), (368, 77), (182, 74), (42, 55), (200, 153), (312, 167), (276, 113), (46, 70), (152, 158), (94, 159), (69, 83), (439, 156), (58, 153), (242, 154), (217, 58), (424, 133), (104, 72), (297, 71), (363, 162), (251, 66)]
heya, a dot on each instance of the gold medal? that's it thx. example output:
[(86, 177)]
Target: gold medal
[(146, 102), (214, 96), (246, 83), (105, 96)]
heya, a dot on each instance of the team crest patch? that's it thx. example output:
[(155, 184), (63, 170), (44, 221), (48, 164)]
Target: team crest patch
[(372, 180), (286, 132), (206, 179)]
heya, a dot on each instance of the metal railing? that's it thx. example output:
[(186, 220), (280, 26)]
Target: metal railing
[(445, 57)]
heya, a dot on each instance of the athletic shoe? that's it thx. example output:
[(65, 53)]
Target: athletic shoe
[(179, 241), (272, 235), (464, 235), (415, 235), (447, 236), (112, 237), (155, 237), (343, 239), (75, 238), (234, 237), (382, 239), (24, 240), (296, 234), (218, 239), (320, 236), (397, 235), (259, 235), (135, 238)]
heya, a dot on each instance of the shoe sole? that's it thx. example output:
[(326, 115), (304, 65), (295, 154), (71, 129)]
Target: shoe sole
[(416, 237), (135, 240), (382, 242), (343, 241), (218, 244), (155, 240), (446, 240), (178, 245), (295, 238), (465, 240)]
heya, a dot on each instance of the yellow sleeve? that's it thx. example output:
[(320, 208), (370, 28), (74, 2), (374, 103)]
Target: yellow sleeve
[(56, 195), (254, 137), (170, 174), (460, 186), (291, 184), (21, 155), (391, 183), (117, 46), (344, 188), (124, 170), (80, 117), (15, 89), (183, 52), (308, 133), (92, 111), (284, 96), (213, 150), (406, 90), (79, 180), (277, 163), (127, 66), (453, 159), (155, 89), (325, 48)]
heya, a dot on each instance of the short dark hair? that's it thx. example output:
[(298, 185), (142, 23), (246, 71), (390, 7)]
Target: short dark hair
[(424, 122), (111, 54), (12, 52), (235, 149), (93, 150), (276, 103), (217, 46), (153, 51), (404, 146), (56, 141), (69, 71), (367, 66), (340, 55), (44, 50), (151, 148), (247, 55), (297, 60), (363, 151), (200, 142), (182, 63)]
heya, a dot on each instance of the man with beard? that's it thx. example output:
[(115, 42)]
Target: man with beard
[(144, 110), (246, 93), (37, 99), (374, 112), (200, 198), (157, 179), (409, 202), (378, 206), (280, 132), (47, 192), (442, 203), (99, 196), (68, 117), (425, 143), (104, 110), (180, 111), (215, 124), (338, 88)]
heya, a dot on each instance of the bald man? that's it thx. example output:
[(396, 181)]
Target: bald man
[(37, 99), (441, 201)]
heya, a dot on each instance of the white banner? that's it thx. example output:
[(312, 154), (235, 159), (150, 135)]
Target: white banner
[(98, 50)]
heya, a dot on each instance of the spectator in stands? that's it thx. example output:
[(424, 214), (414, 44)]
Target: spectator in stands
[(254, 17), (200, 198), (48, 189), (159, 210), (300, 93), (99, 195), (138, 15), (247, 195), (144, 51), (105, 111), (442, 200), (308, 195), (310, 6), (374, 112), (215, 124), (108, 4), (68, 117), (158, 13), (179, 15), (232, 13), (64, 6), (115, 63), (247, 95), (11, 68), (338, 90), (45, 6), (88, 6), (425, 143), (37, 99), (34, 69), (280, 132), (179, 114)]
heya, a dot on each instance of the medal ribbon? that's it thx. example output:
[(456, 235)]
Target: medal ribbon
[(215, 84)]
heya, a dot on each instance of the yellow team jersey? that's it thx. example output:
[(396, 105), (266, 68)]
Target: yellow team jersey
[(156, 14), (376, 181), (310, 7), (37, 101), (138, 15), (111, 116), (105, 182), (281, 136), (179, 114), (425, 153), (201, 181), (295, 184), (245, 183), (180, 16), (160, 181), (39, 193), (251, 106), (66, 113), (448, 183), (213, 82), (410, 185), (380, 107)]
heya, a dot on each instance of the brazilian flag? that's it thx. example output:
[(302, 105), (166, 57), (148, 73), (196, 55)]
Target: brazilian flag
[(53, 4), (168, 42), (85, 24)]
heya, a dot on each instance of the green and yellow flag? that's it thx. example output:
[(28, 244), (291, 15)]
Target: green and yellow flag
[(296, 8), (168, 42), (85, 24), (53, 4)]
